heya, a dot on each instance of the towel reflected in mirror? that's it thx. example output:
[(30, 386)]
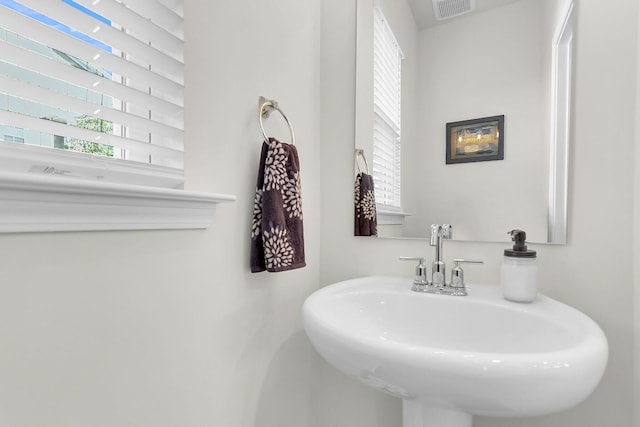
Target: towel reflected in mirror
[(365, 218)]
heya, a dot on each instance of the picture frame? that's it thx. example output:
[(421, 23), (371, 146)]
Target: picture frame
[(476, 140)]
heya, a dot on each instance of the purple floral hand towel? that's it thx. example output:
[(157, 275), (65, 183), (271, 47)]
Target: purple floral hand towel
[(277, 238), (365, 218)]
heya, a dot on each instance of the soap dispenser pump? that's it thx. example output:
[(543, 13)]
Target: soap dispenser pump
[(519, 275)]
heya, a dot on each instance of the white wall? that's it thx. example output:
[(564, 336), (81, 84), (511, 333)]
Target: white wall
[(593, 272), (169, 328), (256, 361)]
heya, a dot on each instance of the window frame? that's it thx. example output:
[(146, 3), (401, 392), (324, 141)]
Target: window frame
[(135, 196)]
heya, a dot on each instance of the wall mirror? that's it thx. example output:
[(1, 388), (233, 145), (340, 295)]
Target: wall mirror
[(508, 58)]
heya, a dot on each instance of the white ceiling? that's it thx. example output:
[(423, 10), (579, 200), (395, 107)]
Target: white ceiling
[(425, 18)]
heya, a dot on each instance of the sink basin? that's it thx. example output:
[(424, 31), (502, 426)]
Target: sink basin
[(452, 357)]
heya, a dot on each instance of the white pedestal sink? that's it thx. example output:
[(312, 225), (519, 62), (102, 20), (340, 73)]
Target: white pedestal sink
[(449, 357)]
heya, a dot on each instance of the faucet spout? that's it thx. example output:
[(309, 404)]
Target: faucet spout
[(438, 268)]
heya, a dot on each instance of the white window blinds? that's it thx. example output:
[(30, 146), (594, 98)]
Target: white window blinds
[(93, 89), (387, 59)]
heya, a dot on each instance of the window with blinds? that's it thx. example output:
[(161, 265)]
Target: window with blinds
[(387, 58), (93, 89)]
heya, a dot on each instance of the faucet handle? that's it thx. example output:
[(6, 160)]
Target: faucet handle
[(435, 228), (421, 270), (440, 231), (467, 261), (457, 274)]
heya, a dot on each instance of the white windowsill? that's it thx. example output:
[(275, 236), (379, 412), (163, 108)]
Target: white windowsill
[(391, 217), (35, 203)]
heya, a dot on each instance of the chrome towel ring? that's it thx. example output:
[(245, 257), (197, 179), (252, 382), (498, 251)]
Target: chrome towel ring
[(360, 154), (265, 108)]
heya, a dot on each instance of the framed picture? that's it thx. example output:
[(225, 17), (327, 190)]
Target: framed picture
[(477, 140)]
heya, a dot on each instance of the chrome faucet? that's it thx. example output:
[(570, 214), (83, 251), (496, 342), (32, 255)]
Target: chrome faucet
[(438, 233), (438, 284)]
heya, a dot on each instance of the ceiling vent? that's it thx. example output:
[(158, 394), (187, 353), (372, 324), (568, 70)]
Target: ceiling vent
[(444, 9)]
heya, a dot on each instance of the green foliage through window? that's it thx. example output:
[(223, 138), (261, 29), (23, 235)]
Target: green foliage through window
[(91, 123)]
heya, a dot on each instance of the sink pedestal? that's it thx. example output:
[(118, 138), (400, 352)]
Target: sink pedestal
[(415, 414)]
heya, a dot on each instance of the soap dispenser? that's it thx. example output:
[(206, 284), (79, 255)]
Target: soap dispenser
[(519, 275)]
